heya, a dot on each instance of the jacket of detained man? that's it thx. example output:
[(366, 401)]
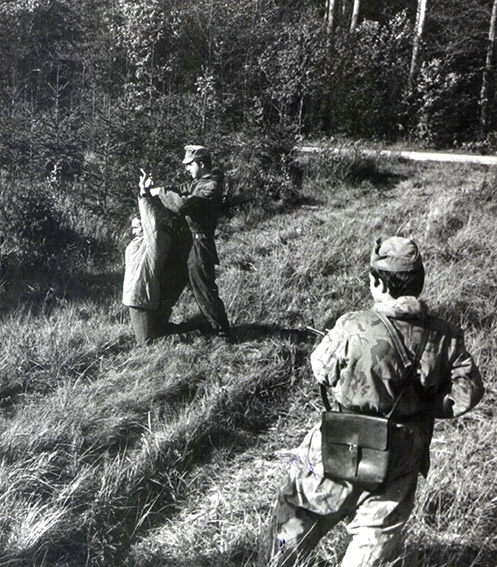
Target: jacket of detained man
[(144, 256)]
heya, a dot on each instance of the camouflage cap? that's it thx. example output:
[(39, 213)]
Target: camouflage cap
[(396, 254), (195, 152)]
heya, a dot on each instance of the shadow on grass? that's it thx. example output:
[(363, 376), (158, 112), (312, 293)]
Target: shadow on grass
[(240, 333), (39, 295), (380, 177), (254, 332), (239, 555)]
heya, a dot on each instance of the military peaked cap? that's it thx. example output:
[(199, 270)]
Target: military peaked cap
[(195, 152)]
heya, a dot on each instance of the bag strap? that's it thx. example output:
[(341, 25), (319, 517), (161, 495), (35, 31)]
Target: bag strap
[(324, 397), (409, 365)]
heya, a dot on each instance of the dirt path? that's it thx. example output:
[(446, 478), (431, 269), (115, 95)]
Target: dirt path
[(413, 156)]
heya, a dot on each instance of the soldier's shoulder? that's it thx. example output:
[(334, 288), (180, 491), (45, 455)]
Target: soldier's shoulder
[(443, 326), (209, 182), (356, 322)]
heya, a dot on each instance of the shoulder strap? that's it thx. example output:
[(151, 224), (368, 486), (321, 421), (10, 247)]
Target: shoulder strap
[(409, 365), (397, 341), (324, 397)]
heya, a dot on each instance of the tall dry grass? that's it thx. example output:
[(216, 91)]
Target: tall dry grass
[(172, 454)]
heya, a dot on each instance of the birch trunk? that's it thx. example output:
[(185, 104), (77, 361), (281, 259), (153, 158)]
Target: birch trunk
[(330, 15), (355, 15), (488, 74), (418, 37)]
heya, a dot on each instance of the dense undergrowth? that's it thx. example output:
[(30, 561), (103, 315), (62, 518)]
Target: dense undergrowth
[(172, 454)]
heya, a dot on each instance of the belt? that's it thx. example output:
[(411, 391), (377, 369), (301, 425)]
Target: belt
[(199, 235), (405, 419), (177, 227)]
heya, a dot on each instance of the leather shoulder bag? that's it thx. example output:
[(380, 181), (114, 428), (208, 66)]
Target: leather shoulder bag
[(357, 447)]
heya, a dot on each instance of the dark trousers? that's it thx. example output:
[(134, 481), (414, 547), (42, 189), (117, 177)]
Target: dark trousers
[(146, 323), (193, 261)]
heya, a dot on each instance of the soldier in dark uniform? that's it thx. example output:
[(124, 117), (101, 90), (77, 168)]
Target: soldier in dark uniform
[(194, 258)]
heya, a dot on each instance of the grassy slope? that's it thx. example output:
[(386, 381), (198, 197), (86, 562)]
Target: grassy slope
[(172, 454)]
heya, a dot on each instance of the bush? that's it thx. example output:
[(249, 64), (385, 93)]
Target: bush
[(446, 103), (38, 244), (364, 94), (261, 166), (30, 225)]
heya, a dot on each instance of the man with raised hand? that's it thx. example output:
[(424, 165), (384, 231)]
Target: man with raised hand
[(362, 365), (144, 261)]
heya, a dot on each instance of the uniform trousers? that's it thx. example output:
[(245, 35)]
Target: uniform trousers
[(310, 505), (193, 261)]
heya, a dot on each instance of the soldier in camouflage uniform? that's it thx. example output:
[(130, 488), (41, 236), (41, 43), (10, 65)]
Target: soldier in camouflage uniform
[(359, 362)]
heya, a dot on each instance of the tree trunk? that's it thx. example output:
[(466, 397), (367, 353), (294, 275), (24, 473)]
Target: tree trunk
[(355, 15), (418, 36), (488, 74), (330, 15)]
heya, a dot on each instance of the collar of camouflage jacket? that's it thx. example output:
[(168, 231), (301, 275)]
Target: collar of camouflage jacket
[(405, 307)]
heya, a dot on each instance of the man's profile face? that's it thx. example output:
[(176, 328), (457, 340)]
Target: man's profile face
[(136, 227), (193, 169)]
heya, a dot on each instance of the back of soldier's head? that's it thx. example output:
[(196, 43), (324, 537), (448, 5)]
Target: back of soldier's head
[(398, 263)]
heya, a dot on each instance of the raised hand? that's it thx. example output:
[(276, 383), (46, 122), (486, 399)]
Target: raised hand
[(145, 182)]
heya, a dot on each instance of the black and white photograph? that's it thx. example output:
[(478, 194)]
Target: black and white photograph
[(248, 283)]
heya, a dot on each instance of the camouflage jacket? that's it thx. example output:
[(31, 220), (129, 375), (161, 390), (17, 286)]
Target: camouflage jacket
[(202, 203), (358, 360)]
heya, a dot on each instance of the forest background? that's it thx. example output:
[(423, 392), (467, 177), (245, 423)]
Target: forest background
[(92, 90), (117, 455)]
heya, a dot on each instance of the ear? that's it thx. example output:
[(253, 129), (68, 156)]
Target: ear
[(384, 287), (379, 283)]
